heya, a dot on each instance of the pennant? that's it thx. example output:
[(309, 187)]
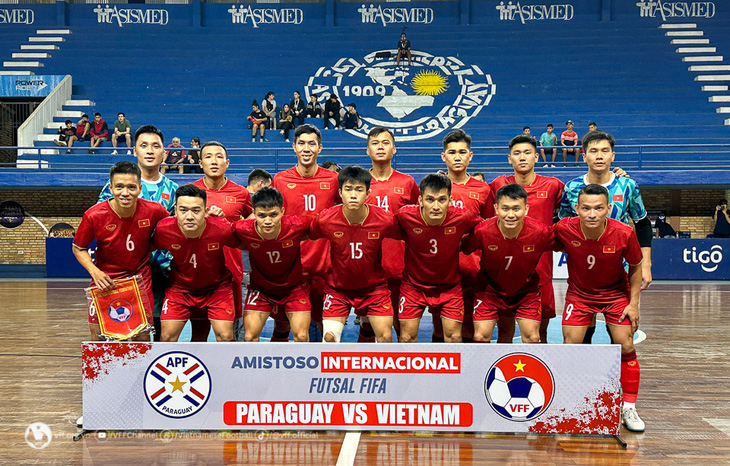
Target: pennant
[(122, 310)]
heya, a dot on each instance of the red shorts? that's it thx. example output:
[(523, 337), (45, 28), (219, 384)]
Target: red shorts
[(490, 306), (448, 303), (375, 302), (579, 313), (545, 271), (179, 304), (145, 291), (278, 306)]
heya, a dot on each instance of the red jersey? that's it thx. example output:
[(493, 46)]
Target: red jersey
[(509, 264), (475, 196), (431, 259), (122, 244), (543, 195), (595, 267), (276, 266), (356, 251), (198, 264), (306, 197)]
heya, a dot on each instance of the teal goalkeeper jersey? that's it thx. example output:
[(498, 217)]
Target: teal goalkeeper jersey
[(624, 196)]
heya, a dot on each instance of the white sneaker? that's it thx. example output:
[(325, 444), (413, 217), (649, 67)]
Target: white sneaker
[(631, 419), (129, 152), (80, 421), (114, 152)]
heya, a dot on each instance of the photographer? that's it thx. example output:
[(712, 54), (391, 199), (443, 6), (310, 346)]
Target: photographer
[(722, 220)]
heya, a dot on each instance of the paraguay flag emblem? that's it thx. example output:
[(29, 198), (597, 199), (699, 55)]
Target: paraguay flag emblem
[(177, 384)]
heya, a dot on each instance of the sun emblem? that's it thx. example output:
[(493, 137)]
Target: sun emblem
[(429, 83)]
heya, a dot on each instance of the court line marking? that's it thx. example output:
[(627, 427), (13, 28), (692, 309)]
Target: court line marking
[(348, 449), (723, 425)]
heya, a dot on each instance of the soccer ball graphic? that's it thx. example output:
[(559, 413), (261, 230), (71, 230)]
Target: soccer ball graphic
[(120, 311), (520, 399)]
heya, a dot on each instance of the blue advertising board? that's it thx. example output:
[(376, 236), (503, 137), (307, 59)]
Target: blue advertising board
[(28, 86), (60, 260), (690, 259)]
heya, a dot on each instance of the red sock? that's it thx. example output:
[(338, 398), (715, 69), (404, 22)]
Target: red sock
[(366, 335), (630, 375)]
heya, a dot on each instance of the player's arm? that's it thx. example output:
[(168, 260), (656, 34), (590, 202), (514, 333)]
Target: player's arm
[(644, 234), (620, 172), (101, 279), (632, 310)]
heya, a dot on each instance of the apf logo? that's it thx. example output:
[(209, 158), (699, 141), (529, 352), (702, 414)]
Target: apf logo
[(519, 387), (265, 15), (704, 258), (511, 10), (177, 384), (131, 15), (649, 9), (385, 16), (433, 95)]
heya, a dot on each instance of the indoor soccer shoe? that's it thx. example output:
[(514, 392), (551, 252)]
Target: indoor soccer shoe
[(631, 420), (80, 421)]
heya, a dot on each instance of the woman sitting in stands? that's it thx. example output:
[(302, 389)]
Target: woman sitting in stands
[(258, 122), (285, 121)]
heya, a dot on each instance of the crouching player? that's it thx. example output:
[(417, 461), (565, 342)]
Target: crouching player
[(277, 285), (200, 278), (597, 282), (511, 245), (433, 231), (356, 231)]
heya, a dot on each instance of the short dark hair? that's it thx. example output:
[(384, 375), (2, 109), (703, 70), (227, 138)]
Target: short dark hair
[(522, 138), (122, 114), (195, 139), (352, 104), (593, 123), (149, 129), (214, 143), (313, 94), (475, 174), (267, 198), (307, 128), (97, 114), (354, 174), (85, 115), (190, 190), (329, 164), (435, 182), (457, 135), (379, 130), (258, 174), (593, 190), (550, 125), (525, 127), (68, 121), (513, 191), (597, 135), (723, 201), (333, 96), (125, 168)]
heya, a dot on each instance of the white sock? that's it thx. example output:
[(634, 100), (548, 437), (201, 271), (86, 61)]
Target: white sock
[(629, 405)]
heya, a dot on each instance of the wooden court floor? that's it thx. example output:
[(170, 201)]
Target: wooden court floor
[(684, 398)]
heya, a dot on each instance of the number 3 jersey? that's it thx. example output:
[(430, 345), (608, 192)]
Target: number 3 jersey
[(595, 267), (198, 264)]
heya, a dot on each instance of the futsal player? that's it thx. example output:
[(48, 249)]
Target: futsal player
[(149, 148), (278, 287), (356, 231), (512, 246), (235, 201), (308, 189), (433, 231), (597, 246), (543, 196), (201, 280)]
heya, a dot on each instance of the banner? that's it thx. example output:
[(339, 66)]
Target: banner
[(690, 259), (28, 86), (349, 386)]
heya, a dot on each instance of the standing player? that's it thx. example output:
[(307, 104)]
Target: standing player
[(149, 148), (597, 283), (390, 190), (122, 227), (624, 193), (309, 189), (512, 246), (277, 285), (356, 232), (235, 201), (201, 280), (543, 196), (470, 194), (433, 231)]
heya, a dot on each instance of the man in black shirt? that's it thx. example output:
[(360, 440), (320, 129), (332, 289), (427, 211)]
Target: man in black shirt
[(332, 110), (404, 49), (722, 220)]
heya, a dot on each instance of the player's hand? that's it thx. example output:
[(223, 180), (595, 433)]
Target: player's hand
[(215, 211), (632, 312), (645, 275), (621, 173), (102, 280)]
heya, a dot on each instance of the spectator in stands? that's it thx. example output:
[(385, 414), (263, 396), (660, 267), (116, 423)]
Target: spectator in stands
[(404, 49), (332, 112), (330, 165), (67, 135), (192, 161), (526, 130), (314, 108), (175, 157), (99, 132), (286, 116), (258, 122), (122, 128), (548, 139), (722, 220), (82, 128), (663, 229), (297, 107), (269, 108), (479, 176), (569, 138), (592, 126), (352, 118)]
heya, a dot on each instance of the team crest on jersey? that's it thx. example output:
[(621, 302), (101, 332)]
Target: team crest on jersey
[(449, 230), (609, 249), (255, 245), (291, 185), (618, 198), (528, 248), (144, 223), (165, 196), (111, 227), (177, 384), (302, 301), (417, 231), (492, 247), (339, 234), (435, 94), (324, 185), (542, 194), (176, 247), (287, 244), (373, 234), (473, 195), (213, 246), (398, 190), (575, 243), (519, 387), (230, 200)]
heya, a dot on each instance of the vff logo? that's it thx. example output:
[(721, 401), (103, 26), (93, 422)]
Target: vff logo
[(708, 260)]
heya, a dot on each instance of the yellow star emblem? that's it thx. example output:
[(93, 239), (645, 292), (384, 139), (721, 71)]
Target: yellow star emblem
[(520, 366), (177, 385)]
